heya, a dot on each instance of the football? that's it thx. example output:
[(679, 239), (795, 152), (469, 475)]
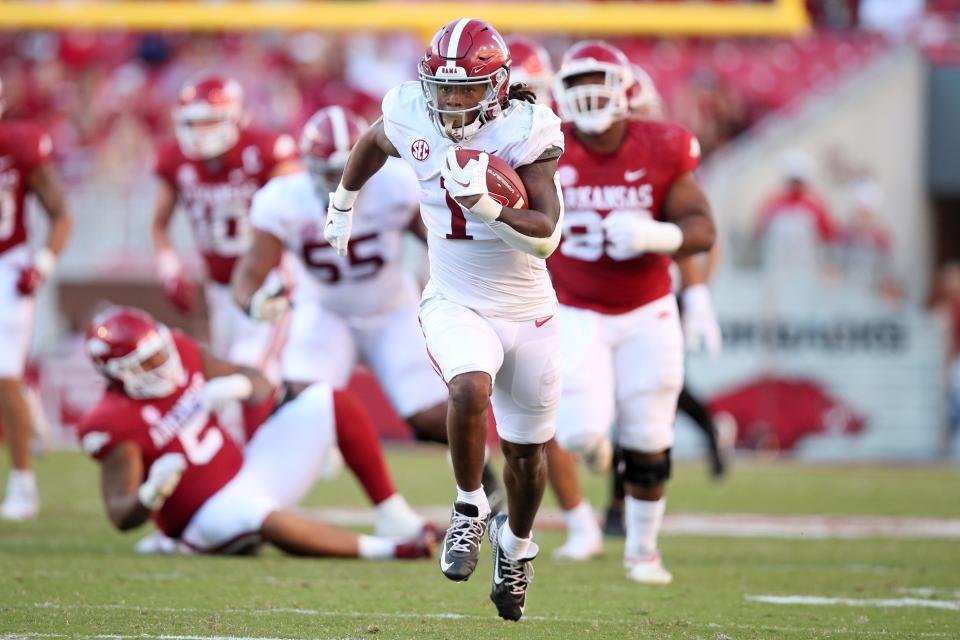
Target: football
[(503, 183)]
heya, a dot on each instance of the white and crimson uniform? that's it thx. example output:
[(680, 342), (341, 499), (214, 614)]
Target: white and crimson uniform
[(216, 196), (23, 149), (225, 493), (487, 306), (622, 344), (364, 303)]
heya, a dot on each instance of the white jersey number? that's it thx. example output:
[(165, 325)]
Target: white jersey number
[(584, 238), (363, 253), (200, 450)]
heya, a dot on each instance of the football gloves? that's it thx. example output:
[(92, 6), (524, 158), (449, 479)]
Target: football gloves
[(162, 480), (700, 327), (631, 233)]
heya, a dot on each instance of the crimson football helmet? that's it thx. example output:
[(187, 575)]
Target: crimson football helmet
[(136, 352), (465, 55), (207, 116), (531, 66), (325, 143), (593, 107), (642, 96)]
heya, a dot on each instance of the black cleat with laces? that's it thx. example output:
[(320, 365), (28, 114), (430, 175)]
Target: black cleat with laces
[(461, 544), (510, 577)]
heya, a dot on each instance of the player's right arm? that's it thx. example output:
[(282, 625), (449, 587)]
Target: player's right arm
[(250, 273), (367, 157), (129, 501), (176, 286)]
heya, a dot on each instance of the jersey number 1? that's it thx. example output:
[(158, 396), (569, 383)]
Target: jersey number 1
[(458, 222)]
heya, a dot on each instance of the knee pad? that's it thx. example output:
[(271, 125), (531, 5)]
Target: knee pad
[(639, 471)]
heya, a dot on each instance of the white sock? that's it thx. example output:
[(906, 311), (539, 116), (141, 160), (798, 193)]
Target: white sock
[(513, 547), (581, 518), (375, 548), (24, 480), (643, 519), (477, 498), (395, 507)]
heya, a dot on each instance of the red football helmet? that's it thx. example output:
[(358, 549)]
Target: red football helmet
[(531, 66), (207, 116), (642, 96), (325, 143), (464, 56), (136, 352), (593, 107)]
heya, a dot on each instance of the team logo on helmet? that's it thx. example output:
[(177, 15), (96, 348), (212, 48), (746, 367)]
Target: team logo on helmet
[(420, 149)]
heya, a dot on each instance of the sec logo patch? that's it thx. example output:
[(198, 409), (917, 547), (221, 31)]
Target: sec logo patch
[(420, 149)]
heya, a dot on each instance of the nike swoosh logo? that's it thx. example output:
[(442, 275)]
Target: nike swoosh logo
[(633, 176), (444, 565), (497, 578), (542, 321)]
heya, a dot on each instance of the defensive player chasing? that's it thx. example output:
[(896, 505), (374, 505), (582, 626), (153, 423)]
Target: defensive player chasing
[(212, 169), (632, 205), (346, 306), (25, 167), (164, 456), (486, 311)]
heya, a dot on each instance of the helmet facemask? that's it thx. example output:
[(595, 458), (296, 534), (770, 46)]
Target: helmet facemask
[(204, 131), (461, 124), (592, 107), (140, 376)]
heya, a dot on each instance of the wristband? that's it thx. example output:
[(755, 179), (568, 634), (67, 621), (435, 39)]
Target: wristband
[(44, 261), (344, 199), (487, 209)]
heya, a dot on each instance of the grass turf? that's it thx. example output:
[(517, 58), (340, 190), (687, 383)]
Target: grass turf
[(70, 575)]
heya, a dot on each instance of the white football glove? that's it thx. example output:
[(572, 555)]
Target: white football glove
[(469, 180), (338, 226), (269, 303), (162, 480), (631, 233), (219, 392), (700, 326)]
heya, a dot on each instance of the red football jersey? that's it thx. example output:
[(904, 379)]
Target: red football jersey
[(216, 194), (587, 271), (23, 148), (175, 424)]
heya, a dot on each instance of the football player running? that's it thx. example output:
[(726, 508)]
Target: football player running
[(25, 167), (212, 169), (486, 311), (632, 206), (164, 456), (362, 304)]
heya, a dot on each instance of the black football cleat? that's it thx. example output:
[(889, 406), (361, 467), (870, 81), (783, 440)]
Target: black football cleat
[(613, 525), (510, 577), (461, 544)]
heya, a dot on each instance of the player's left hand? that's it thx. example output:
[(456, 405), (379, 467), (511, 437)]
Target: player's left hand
[(162, 480), (627, 231), (269, 303), (29, 280), (466, 184), (700, 327), (218, 392)]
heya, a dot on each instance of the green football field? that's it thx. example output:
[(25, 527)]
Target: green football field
[(70, 575)]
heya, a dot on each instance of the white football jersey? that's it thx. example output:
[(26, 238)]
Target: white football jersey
[(370, 279), (469, 264)]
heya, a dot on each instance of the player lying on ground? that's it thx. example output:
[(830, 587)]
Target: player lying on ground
[(363, 304), (164, 457)]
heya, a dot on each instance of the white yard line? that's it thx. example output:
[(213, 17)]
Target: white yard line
[(947, 605), (732, 525)]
